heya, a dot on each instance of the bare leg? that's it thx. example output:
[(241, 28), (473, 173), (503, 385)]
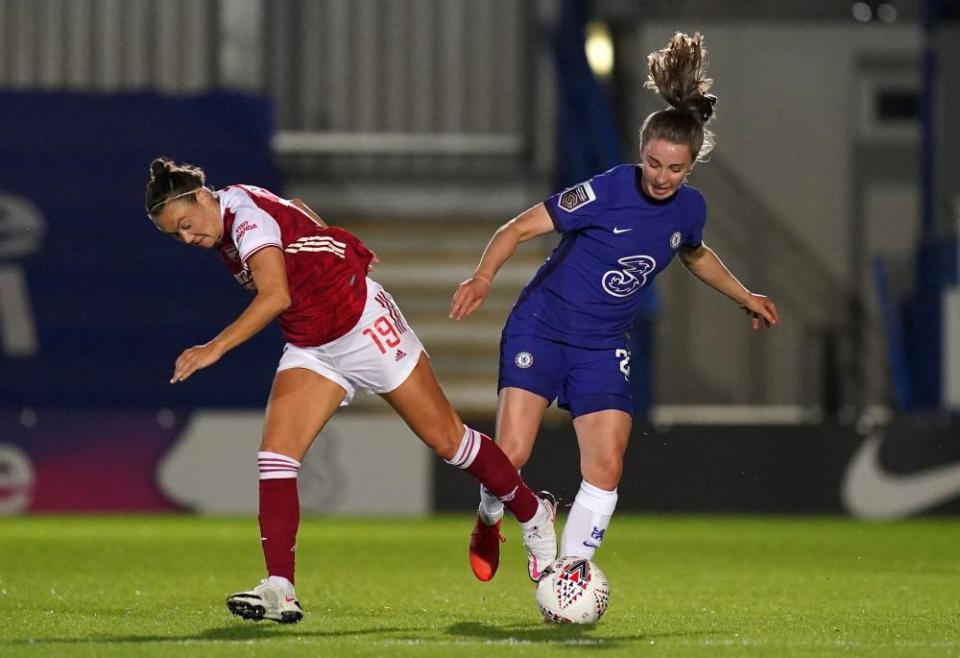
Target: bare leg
[(426, 410), (301, 403), (603, 437), (519, 414)]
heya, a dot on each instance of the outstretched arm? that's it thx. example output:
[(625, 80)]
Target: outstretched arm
[(471, 293), (704, 264), (272, 299)]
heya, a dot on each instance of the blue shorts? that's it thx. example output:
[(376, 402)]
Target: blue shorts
[(581, 380)]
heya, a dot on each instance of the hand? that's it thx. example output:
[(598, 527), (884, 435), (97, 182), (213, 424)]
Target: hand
[(373, 261), (469, 296), (195, 358), (760, 307)]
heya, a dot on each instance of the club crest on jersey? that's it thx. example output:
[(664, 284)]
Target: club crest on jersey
[(675, 240), (577, 197), (523, 359), (633, 276)]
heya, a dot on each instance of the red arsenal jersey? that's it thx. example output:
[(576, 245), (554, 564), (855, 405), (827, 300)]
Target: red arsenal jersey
[(326, 267)]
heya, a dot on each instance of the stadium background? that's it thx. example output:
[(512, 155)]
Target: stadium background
[(423, 125)]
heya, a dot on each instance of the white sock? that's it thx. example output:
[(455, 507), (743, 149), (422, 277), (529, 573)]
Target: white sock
[(588, 520), (541, 516), (491, 509), (281, 582)]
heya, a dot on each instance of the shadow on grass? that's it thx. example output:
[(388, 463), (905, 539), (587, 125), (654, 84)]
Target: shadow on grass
[(573, 635), (240, 632)]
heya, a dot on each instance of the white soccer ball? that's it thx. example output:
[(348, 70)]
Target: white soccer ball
[(573, 591)]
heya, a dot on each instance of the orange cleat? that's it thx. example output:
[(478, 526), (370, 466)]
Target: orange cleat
[(485, 543)]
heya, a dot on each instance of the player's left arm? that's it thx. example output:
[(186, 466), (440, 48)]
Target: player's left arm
[(272, 299), (704, 264)]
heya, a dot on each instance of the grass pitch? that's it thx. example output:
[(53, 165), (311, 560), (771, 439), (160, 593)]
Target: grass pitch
[(154, 586)]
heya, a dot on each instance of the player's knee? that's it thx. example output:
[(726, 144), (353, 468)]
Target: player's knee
[(282, 445), (604, 473), (446, 439), (518, 453)]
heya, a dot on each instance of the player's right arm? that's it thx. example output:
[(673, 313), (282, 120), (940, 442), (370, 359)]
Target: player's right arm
[(471, 293), (272, 299)]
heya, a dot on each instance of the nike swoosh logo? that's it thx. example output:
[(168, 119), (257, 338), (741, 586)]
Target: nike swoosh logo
[(290, 599), (870, 492), (535, 573), (590, 544), (617, 230)]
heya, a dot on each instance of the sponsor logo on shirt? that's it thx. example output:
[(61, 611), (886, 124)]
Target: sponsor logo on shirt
[(577, 197), (243, 229), (633, 276)]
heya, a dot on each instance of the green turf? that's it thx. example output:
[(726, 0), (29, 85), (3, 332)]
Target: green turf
[(154, 586)]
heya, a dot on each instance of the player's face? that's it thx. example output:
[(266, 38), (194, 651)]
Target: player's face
[(665, 167), (197, 224)]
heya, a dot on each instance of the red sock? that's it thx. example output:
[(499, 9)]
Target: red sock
[(279, 521), (483, 459)]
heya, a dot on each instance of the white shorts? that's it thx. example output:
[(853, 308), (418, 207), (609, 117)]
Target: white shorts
[(378, 354)]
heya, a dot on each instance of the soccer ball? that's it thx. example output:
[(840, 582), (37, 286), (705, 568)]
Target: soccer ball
[(573, 591)]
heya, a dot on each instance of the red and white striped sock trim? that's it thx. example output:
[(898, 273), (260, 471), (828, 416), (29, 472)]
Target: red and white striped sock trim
[(274, 466), (469, 447)]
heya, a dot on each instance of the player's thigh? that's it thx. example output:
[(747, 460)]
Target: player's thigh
[(301, 402), (597, 393), (603, 437), (421, 403), (531, 371), (595, 380)]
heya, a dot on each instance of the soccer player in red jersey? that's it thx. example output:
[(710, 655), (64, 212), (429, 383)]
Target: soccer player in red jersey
[(344, 332)]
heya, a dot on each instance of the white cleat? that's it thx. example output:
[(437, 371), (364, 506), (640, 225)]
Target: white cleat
[(267, 601), (541, 540)]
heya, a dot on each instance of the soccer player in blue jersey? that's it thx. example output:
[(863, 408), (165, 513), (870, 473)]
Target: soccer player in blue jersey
[(566, 336)]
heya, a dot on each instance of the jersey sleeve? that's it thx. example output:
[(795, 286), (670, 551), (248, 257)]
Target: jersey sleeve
[(253, 230), (693, 236), (579, 206)]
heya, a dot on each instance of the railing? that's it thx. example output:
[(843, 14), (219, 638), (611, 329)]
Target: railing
[(437, 78), (109, 45), (390, 88)]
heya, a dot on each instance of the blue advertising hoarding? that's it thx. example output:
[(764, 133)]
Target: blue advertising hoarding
[(95, 305)]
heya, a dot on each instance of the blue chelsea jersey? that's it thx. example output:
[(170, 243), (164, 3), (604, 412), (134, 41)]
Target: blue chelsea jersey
[(615, 241)]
